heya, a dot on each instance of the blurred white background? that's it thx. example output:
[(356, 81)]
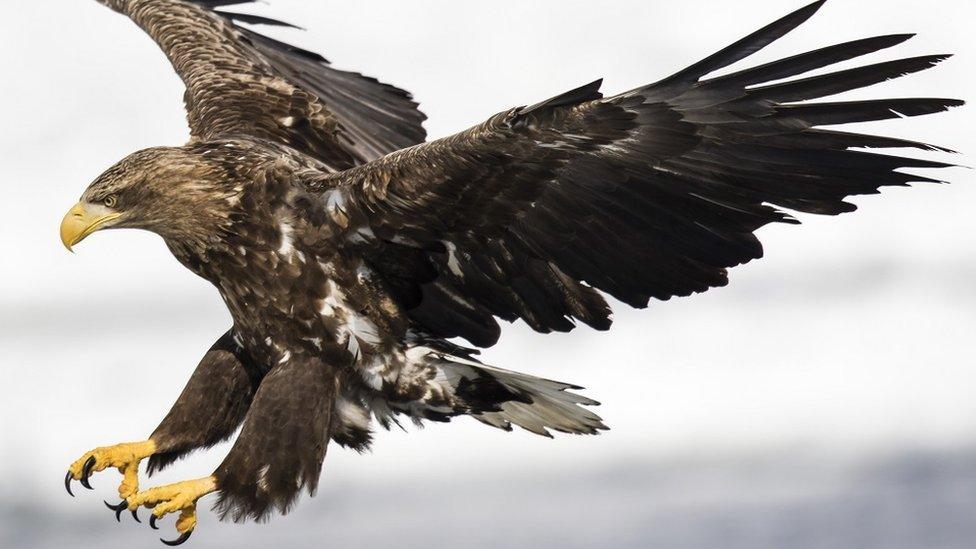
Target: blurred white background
[(825, 399)]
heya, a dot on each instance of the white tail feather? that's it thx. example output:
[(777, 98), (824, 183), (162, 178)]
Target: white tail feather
[(496, 397)]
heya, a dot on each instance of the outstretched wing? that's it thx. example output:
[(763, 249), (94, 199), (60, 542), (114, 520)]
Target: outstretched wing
[(654, 193), (241, 82)]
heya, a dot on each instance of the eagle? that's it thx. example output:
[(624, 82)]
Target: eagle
[(364, 266)]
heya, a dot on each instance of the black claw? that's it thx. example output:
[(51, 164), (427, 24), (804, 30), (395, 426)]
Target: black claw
[(112, 508), (67, 484), (135, 515), (86, 472), (152, 522), (178, 541), (118, 509)]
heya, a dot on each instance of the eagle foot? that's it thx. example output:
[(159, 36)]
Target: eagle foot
[(180, 497), (124, 457)]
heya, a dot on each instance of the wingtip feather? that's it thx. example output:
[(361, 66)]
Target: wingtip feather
[(749, 45)]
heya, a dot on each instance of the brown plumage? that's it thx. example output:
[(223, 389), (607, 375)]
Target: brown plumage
[(241, 82), (349, 255)]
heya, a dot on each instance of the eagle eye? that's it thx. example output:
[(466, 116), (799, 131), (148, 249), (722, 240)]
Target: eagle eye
[(111, 201)]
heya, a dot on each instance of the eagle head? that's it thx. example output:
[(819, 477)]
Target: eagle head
[(183, 194)]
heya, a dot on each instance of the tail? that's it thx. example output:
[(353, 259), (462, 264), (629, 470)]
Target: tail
[(437, 386)]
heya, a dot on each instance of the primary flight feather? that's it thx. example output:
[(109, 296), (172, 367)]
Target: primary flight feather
[(351, 254)]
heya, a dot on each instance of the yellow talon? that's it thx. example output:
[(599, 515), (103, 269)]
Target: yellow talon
[(180, 497), (124, 457)]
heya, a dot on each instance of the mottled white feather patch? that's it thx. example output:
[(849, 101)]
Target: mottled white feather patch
[(452, 259), (363, 328), (335, 204), (287, 241), (262, 480), (352, 415)]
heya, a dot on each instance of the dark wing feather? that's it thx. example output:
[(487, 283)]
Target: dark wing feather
[(742, 48), (374, 118), (654, 193), (240, 82)]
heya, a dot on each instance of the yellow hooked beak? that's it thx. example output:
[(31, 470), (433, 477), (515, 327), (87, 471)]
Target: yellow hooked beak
[(82, 220)]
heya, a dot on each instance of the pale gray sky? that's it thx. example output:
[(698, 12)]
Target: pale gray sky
[(854, 337)]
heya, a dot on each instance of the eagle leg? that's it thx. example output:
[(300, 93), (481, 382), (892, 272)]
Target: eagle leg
[(124, 457), (180, 497), (211, 406)]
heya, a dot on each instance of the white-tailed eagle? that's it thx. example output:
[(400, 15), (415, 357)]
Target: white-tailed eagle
[(353, 256)]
